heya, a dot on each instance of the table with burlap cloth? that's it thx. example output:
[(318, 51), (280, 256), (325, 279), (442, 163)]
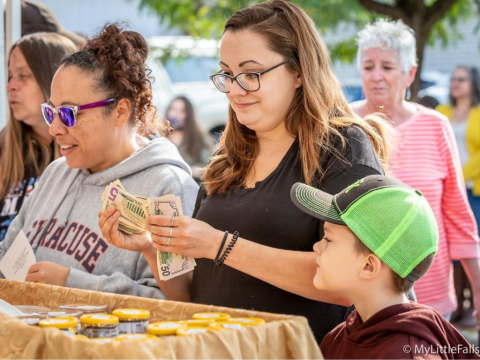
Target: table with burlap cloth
[(282, 337)]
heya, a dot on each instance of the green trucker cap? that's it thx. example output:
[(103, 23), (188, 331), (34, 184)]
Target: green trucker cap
[(393, 220)]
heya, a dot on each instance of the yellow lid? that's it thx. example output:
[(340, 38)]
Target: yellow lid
[(99, 319), (132, 313), (226, 325), (60, 322), (198, 322), (247, 321), (211, 315), (104, 340), (80, 336), (165, 327), (192, 330), (136, 337)]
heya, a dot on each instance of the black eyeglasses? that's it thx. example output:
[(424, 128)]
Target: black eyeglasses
[(249, 81)]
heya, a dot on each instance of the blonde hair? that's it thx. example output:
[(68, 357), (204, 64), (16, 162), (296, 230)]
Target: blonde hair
[(19, 145), (318, 109)]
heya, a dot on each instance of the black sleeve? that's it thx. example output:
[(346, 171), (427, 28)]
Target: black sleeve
[(358, 159), (201, 193)]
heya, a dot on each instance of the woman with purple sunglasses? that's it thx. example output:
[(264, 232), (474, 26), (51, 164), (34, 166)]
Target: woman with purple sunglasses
[(99, 113)]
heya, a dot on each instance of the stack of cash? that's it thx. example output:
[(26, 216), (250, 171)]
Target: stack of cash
[(133, 219)]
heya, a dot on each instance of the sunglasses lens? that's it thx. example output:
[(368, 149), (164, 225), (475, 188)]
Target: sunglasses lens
[(67, 116), (48, 115)]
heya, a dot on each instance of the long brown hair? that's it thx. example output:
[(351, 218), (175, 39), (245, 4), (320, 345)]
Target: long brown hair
[(194, 141), (20, 147), (318, 109)]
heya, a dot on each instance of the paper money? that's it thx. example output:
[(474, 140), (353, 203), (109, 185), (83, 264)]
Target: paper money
[(133, 219), (133, 209), (170, 265)]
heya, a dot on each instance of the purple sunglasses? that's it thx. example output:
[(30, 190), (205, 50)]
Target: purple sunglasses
[(68, 114)]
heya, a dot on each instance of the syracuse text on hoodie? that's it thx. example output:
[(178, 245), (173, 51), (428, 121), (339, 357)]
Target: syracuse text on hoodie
[(60, 218)]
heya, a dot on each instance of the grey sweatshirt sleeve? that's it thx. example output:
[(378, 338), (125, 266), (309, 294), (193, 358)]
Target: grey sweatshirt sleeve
[(144, 286), (183, 185)]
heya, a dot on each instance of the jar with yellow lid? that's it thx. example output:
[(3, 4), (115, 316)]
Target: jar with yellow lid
[(226, 325), (86, 309), (193, 330), (136, 337), (247, 321), (32, 319), (216, 316), (64, 313), (68, 325), (197, 322), (99, 326), (132, 321), (163, 328)]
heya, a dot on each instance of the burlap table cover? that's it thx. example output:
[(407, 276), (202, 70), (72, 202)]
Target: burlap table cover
[(282, 337)]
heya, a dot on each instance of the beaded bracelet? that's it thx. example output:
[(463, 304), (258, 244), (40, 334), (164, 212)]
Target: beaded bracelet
[(229, 248), (221, 246)]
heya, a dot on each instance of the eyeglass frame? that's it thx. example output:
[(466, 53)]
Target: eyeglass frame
[(75, 109), (258, 74)]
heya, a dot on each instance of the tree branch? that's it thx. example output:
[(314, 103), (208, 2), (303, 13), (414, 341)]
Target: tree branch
[(436, 12), (391, 11)]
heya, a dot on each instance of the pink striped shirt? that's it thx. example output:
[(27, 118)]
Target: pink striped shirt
[(426, 158)]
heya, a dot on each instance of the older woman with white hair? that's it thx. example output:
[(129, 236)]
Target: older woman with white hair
[(424, 156)]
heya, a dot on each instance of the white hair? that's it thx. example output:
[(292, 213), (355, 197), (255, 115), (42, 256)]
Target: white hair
[(389, 35)]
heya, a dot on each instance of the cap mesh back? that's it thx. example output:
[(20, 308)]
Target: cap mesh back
[(401, 236)]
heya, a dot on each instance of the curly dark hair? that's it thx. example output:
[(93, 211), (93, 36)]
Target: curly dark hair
[(117, 58)]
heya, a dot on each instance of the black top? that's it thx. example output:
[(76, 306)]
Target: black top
[(10, 205), (266, 215)]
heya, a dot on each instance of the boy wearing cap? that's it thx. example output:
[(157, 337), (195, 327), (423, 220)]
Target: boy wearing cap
[(380, 237)]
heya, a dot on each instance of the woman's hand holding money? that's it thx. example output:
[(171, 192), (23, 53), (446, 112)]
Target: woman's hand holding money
[(108, 223), (186, 236)]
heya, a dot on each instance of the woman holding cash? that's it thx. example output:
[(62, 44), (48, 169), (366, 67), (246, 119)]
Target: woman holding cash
[(100, 106), (288, 122)]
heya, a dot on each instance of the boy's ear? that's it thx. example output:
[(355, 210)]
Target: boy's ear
[(371, 268)]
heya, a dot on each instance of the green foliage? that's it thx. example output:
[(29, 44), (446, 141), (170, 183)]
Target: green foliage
[(206, 18)]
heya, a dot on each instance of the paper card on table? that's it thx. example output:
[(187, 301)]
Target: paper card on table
[(18, 259)]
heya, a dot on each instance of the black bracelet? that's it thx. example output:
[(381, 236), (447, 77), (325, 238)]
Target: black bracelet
[(229, 248), (221, 246)]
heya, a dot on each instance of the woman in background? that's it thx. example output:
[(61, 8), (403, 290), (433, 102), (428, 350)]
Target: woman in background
[(26, 147), (464, 114), (189, 138)]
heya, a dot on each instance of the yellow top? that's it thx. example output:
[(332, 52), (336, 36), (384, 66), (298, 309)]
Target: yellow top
[(99, 319), (80, 336), (226, 325), (471, 170), (211, 315), (132, 314), (198, 322), (165, 327), (136, 337), (192, 330), (247, 321), (60, 322)]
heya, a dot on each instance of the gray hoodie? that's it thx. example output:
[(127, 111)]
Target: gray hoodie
[(60, 218)]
